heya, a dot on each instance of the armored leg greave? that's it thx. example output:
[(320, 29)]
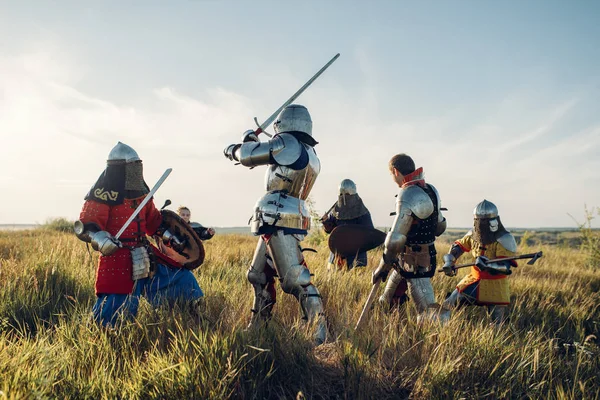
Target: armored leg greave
[(421, 293), (295, 279), (389, 296), (263, 301), (390, 288)]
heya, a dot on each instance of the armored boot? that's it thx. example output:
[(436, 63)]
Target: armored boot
[(312, 308), (263, 305), (295, 279)]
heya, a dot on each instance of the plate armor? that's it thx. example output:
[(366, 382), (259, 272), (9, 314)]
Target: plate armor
[(410, 245), (284, 204), (281, 216)]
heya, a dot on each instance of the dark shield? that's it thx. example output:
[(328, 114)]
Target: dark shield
[(349, 240), (192, 255)]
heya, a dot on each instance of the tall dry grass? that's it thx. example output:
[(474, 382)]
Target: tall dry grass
[(49, 348)]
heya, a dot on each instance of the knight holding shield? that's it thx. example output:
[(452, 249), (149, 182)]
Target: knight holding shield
[(129, 265), (348, 210)]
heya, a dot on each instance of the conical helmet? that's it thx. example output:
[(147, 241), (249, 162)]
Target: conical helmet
[(485, 209), (123, 153)]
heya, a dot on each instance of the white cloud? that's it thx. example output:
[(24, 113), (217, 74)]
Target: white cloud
[(56, 137)]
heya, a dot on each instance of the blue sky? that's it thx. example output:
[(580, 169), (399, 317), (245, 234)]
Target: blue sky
[(495, 100)]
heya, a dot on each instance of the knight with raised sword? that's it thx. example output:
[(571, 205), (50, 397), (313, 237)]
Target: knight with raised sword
[(281, 217)]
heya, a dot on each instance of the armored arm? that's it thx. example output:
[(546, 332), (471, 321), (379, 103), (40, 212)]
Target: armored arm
[(395, 239), (90, 228), (283, 149), (450, 259), (100, 240)]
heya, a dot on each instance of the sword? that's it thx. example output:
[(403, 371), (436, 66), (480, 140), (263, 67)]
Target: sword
[(144, 202), (268, 121), (365, 312)]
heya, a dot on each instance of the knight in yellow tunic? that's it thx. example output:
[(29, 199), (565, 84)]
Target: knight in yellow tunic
[(486, 285)]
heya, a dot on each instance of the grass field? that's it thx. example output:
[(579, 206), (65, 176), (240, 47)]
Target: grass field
[(49, 348)]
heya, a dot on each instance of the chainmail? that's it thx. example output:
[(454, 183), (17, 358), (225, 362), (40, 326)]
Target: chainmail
[(481, 231), (134, 177), (349, 206)]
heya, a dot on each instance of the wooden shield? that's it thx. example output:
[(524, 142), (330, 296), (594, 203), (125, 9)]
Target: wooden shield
[(192, 256), (349, 240)]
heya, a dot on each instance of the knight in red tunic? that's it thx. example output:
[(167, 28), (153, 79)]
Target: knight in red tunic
[(131, 266)]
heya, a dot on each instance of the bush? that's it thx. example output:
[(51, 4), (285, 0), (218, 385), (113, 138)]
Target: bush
[(58, 224), (590, 238)]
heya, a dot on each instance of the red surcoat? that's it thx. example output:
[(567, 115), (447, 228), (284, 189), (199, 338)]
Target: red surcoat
[(114, 272)]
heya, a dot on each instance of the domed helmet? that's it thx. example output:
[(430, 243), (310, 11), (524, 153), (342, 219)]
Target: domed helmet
[(485, 209), (122, 153), (125, 156), (347, 186), (486, 222)]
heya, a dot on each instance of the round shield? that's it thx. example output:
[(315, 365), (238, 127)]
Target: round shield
[(349, 240), (192, 254)]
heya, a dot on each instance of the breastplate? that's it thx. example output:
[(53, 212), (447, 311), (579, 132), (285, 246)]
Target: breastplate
[(284, 205), (295, 183)]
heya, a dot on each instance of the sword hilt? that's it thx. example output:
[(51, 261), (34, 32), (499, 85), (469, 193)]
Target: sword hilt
[(260, 130)]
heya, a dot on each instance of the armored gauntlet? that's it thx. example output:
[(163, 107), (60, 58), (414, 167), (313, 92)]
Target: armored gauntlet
[(105, 243), (449, 264), (230, 151), (381, 272), (101, 241)]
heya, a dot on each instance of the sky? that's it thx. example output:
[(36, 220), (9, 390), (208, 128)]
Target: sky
[(495, 100)]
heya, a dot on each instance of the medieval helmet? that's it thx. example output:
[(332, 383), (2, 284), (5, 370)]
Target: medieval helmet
[(122, 153), (486, 220), (294, 118), (124, 156), (347, 186), (485, 209)]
